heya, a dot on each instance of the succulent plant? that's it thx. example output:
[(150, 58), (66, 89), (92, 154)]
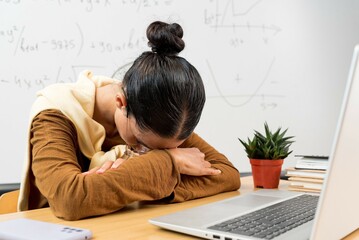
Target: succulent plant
[(269, 146)]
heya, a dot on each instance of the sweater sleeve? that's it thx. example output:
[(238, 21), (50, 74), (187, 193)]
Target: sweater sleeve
[(72, 195), (191, 187)]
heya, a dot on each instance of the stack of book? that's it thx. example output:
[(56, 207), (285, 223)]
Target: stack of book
[(308, 174)]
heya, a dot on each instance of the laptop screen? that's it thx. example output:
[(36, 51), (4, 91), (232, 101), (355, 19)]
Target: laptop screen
[(338, 205)]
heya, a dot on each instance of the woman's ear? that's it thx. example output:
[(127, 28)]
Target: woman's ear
[(121, 101)]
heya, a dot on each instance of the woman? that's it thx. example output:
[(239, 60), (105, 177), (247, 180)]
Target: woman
[(154, 110)]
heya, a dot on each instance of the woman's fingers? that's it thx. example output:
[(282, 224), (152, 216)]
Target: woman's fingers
[(191, 161), (117, 163), (206, 164), (93, 170), (211, 171), (107, 165)]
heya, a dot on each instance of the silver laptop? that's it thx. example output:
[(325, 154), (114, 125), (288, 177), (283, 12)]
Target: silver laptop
[(332, 215)]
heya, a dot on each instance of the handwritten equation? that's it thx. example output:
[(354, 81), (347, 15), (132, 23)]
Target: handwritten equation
[(19, 43), (233, 20), (22, 43), (267, 101), (91, 5), (230, 15), (59, 51)]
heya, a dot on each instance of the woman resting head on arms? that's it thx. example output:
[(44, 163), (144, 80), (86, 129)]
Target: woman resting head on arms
[(75, 160)]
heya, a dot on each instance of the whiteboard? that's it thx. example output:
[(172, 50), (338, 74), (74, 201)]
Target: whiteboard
[(279, 61)]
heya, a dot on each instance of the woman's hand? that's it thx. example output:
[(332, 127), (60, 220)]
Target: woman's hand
[(191, 161), (106, 166)]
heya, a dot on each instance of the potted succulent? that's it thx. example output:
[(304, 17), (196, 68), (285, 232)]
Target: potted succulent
[(266, 154)]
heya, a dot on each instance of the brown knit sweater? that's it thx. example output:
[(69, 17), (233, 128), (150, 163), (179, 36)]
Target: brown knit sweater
[(57, 163)]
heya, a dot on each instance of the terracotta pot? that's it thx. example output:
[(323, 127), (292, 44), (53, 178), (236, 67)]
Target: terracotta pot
[(266, 173)]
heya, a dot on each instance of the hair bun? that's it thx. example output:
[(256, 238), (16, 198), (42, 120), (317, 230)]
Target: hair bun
[(165, 38)]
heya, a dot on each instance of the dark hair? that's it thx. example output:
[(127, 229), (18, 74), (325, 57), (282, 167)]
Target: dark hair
[(165, 93)]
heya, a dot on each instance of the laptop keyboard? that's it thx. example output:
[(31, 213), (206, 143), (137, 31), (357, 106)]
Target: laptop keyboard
[(273, 220)]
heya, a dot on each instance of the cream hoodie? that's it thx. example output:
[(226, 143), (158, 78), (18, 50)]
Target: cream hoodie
[(76, 101)]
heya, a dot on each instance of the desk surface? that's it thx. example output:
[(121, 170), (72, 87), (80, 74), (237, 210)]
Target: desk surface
[(132, 221)]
